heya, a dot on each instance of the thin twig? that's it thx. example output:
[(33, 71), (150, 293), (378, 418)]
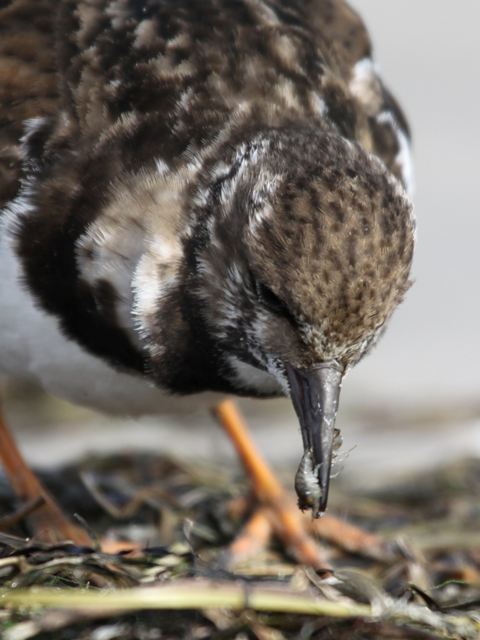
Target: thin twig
[(203, 594)]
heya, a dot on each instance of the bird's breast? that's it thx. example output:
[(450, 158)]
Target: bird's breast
[(33, 346)]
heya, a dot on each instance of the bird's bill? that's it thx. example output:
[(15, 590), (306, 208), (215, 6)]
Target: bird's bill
[(315, 393)]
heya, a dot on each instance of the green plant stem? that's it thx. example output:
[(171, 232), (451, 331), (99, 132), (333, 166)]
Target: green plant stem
[(184, 595)]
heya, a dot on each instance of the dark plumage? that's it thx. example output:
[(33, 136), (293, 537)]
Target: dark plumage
[(210, 195)]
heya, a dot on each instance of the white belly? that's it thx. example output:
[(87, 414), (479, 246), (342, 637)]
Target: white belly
[(32, 346)]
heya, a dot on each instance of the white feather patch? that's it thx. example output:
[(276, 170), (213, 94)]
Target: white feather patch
[(404, 156), (365, 85)]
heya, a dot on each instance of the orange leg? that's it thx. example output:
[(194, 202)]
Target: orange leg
[(280, 514), (254, 536), (48, 520), (350, 537), (284, 516)]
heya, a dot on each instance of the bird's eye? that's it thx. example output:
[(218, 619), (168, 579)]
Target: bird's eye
[(273, 302)]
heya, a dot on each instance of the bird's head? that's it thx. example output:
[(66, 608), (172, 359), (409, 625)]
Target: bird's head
[(307, 257)]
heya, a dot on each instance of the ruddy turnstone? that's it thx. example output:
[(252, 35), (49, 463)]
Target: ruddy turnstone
[(198, 195)]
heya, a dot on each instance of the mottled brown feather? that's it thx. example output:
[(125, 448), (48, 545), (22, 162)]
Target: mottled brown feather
[(28, 83)]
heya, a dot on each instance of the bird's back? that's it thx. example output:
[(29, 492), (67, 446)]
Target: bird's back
[(171, 73)]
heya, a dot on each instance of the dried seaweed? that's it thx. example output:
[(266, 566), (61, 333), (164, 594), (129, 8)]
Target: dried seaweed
[(177, 582)]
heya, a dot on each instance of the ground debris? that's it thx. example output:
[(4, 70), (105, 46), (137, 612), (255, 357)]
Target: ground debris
[(176, 581)]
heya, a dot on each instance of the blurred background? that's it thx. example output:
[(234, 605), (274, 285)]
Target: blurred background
[(414, 402)]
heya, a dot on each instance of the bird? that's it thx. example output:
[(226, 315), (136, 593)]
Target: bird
[(199, 198)]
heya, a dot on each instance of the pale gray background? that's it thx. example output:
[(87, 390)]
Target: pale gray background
[(415, 400), (429, 52)]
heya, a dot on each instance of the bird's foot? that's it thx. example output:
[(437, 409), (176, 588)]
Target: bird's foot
[(44, 515), (278, 514)]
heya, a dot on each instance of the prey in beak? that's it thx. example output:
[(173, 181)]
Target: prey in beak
[(315, 394)]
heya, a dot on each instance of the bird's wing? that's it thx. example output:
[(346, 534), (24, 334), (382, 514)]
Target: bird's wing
[(379, 123)]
